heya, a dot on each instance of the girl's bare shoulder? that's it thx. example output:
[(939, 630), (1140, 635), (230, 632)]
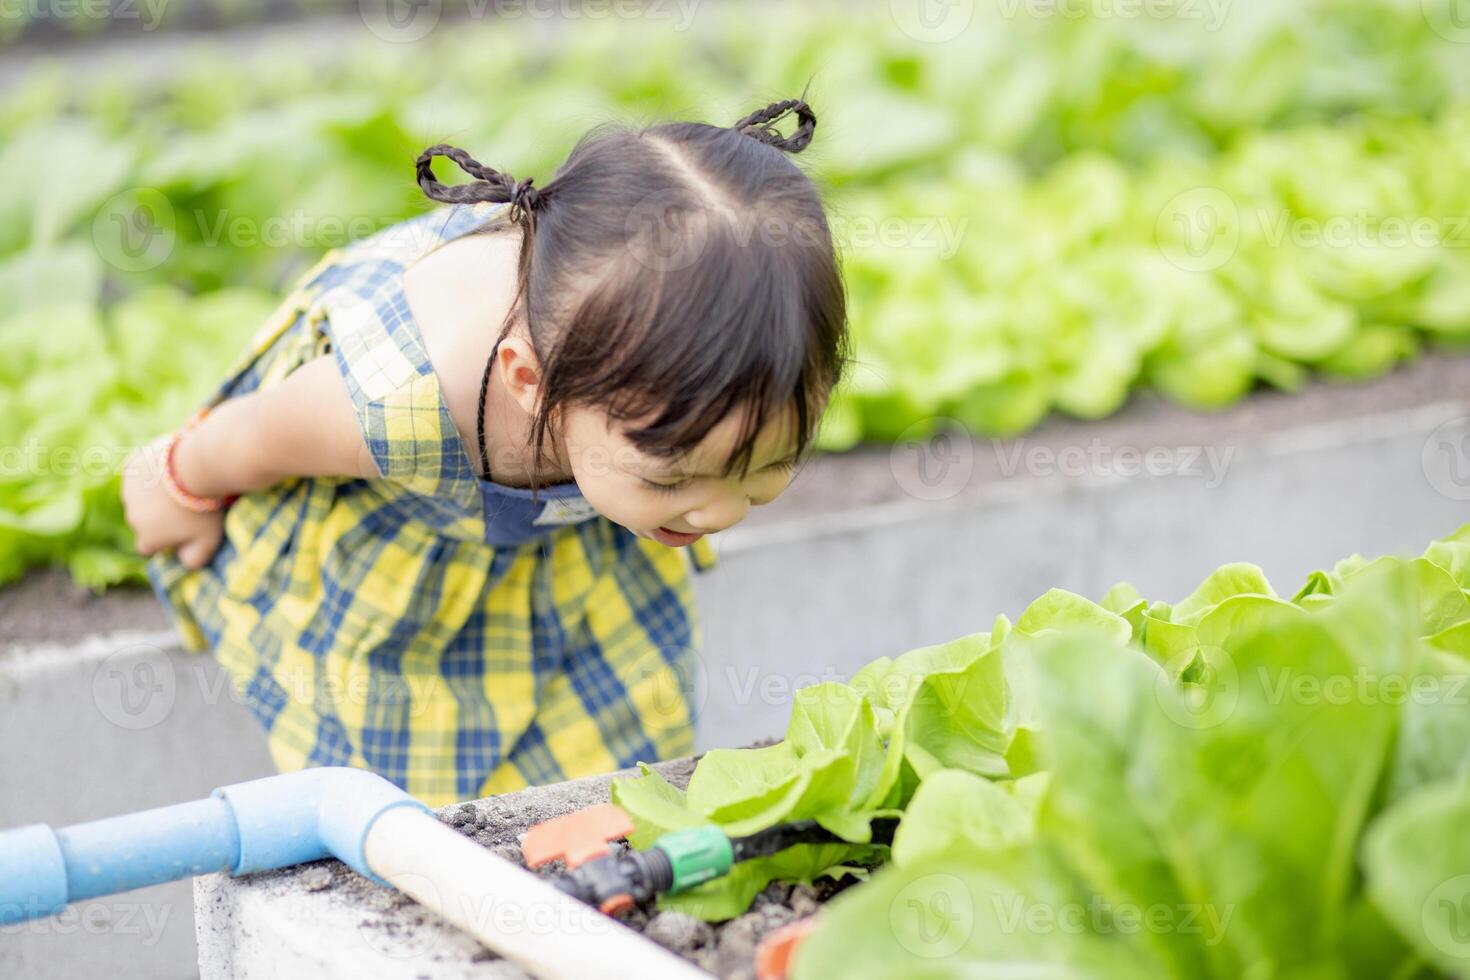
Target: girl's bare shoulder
[(459, 295)]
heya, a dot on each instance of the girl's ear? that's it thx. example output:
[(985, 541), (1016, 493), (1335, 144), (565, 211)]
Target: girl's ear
[(520, 372)]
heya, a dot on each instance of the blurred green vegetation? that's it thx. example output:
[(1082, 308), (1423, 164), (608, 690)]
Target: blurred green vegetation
[(1037, 214)]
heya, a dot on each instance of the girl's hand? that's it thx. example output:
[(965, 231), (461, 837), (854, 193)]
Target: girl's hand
[(159, 523), (302, 426)]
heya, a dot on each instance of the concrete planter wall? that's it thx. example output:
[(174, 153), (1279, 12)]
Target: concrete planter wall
[(870, 553), (329, 923)]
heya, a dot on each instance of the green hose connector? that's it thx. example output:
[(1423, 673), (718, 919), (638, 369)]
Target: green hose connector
[(697, 855)]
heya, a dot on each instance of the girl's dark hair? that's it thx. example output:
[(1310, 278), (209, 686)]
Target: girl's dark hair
[(674, 274)]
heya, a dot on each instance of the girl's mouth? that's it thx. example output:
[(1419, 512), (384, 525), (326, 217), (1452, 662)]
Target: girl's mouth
[(674, 539)]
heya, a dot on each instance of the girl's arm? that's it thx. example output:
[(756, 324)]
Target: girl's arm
[(303, 426)]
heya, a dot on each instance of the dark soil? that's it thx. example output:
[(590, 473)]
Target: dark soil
[(725, 949), (48, 607)]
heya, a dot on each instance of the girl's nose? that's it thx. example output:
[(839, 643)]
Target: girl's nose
[(725, 510)]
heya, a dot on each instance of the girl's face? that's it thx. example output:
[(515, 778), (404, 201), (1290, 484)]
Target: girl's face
[(675, 501)]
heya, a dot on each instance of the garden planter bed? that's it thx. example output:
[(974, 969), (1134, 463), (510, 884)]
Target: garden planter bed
[(1031, 768), (326, 921), (723, 949)]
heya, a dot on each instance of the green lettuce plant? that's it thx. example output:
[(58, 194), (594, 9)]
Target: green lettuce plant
[(1236, 784)]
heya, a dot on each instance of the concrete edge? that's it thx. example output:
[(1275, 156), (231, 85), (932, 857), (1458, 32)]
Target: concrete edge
[(24, 659), (1311, 437)]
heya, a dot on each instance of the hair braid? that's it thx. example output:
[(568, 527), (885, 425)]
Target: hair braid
[(489, 184), (759, 125)]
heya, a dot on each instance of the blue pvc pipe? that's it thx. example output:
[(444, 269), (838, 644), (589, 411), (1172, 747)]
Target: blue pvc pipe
[(118, 854), (256, 826)]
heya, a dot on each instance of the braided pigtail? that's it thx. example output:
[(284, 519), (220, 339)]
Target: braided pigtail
[(760, 125), (496, 187), (489, 184)]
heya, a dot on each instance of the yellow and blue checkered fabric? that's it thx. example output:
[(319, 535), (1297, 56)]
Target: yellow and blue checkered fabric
[(369, 623)]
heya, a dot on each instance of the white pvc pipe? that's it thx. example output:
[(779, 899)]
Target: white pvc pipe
[(516, 914)]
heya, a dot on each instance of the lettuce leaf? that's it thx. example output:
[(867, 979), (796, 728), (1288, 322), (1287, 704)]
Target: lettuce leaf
[(1170, 842)]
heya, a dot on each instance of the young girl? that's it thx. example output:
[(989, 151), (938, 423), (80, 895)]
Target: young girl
[(431, 523)]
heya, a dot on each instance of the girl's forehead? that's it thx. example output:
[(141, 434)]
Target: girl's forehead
[(775, 442)]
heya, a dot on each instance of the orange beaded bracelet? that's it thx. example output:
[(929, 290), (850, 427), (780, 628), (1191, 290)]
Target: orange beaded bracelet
[(200, 505)]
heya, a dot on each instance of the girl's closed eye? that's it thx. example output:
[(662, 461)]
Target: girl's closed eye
[(667, 487), (783, 468)]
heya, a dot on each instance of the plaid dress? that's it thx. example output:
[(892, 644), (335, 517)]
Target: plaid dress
[(429, 625)]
